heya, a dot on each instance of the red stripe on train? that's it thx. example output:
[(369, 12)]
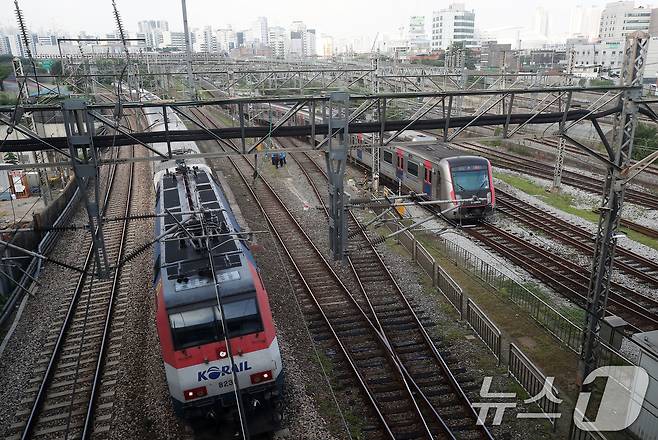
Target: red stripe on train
[(210, 352)]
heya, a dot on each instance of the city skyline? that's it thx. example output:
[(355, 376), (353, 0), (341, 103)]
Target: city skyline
[(383, 19)]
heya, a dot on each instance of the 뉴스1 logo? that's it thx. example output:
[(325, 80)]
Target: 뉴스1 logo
[(620, 405), (621, 402), (215, 372)]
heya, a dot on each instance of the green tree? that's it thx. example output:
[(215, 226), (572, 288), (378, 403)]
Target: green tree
[(5, 71), (646, 141), (56, 68), (11, 158)]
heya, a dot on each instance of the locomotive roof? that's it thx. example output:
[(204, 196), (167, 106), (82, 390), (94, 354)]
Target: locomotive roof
[(434, 152), (186, 269)]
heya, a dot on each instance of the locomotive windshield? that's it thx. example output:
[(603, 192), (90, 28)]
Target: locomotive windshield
[(470, 177), (201, 326)]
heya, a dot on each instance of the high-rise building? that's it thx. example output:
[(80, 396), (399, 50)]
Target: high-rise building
[(205, 40), (621, 18), (5, 48), (585, 21), (302, 40), (328, 49), (148, 25), (277, 40), (17, 45), (259, 32), (310, 43), (152, 31), (47, 40), (418, 41), (225, 39), (541, 21), (174, 40), (453, 25), (297, 43)]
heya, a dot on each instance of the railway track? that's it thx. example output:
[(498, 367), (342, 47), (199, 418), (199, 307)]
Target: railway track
[(397, 401), (397, 319), (545, 171), (65, 389), (577, 151), (566, 277), (642, 268), (645, 230)]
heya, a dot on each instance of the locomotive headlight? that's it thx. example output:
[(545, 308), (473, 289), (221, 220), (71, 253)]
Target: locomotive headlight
[(195, 393), (263, 376)]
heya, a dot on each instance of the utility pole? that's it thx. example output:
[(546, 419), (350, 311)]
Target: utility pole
[(377, 141), (84, 159), (24, 98), (336, 157), (561, 148), (188, 56), (613, 196)]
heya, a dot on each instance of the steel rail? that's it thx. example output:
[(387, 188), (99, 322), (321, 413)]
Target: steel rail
[(379, 338), (563, 273), (81, 283), (631, 309), (95, 384), (483, 431), (41, 393), (574, 235)]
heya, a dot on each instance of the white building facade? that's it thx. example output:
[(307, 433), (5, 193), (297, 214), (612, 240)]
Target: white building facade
[(453, 25), (621, 18), (607, 54), (278, 41), (418, 41)]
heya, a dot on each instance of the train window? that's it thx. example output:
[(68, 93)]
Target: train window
[(388, 157), (242, 317), (203, 326), (412, 168), (193, 327)]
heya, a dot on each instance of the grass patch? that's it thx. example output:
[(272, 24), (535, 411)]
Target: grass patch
[(564, 202)]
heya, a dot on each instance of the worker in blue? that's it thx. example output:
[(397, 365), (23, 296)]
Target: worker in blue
[(282, 158)]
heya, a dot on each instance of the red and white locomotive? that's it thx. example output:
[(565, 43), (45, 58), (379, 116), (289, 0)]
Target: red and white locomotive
[(206, 281)]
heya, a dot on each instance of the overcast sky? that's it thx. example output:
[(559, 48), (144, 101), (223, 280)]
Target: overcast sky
[(340, 18)]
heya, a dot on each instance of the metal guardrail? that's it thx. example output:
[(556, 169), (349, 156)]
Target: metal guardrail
[(541, 312), (532, 380), (575, 433), (483, 327), (450, 289)]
